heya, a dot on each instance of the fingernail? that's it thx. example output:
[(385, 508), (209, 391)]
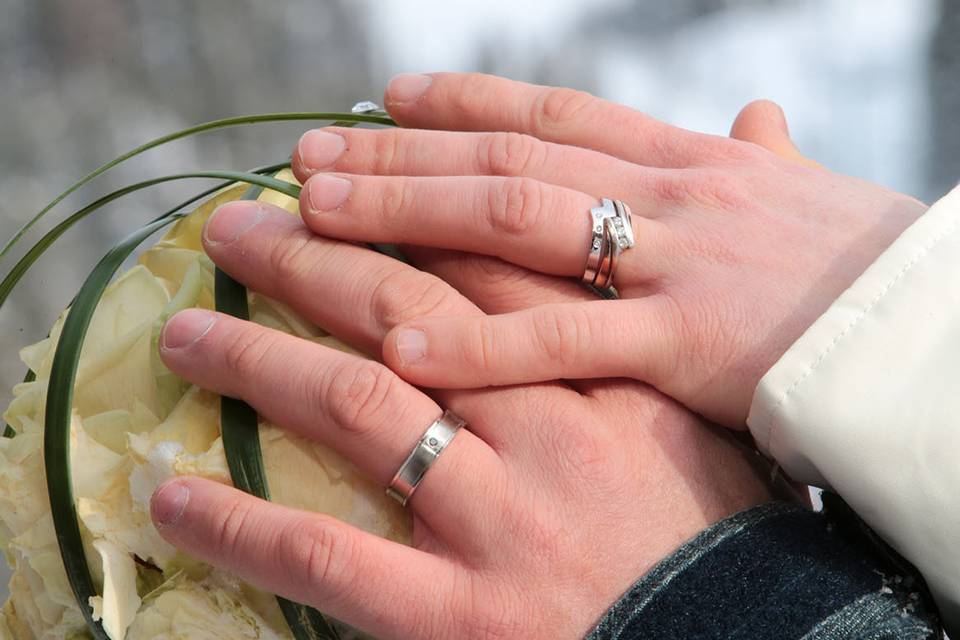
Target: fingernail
[(327, 193), (407, 87), (232, 220), (411, 346), (186, 327), (169, 502), (320, 149)]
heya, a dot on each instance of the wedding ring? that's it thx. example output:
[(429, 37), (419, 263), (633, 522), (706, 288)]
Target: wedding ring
[(434, 440), (598, 239), (608, 257), (611, 234)]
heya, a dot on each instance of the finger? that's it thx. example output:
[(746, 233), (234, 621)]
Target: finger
[(308, 558), (763, 123), (500, 287), (416, 152), (355, 406), (477, 102), (597, 339), (529, 223), (272, 251), (354, 293), (494, 285)]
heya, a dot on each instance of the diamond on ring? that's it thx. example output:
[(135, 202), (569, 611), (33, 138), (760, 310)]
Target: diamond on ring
[(431, 444)]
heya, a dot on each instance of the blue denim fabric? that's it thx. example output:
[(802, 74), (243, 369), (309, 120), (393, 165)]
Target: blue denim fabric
[(777, 571)]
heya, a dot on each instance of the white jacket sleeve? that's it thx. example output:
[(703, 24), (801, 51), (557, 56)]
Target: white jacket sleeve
[(867, 401)]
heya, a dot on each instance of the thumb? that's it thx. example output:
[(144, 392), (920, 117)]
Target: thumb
[(763, 123)]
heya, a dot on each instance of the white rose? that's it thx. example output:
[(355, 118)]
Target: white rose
[(135, 425)]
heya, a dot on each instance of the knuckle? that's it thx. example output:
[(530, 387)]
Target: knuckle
[(393, 201), (468, 96), (480, 346), (314, 555), (477, 346), (404, 295), (588, 459), (671, 189), (247, 353), (508, 153), (289, 259), (720, 190), (663, 142), (515, 206), (556, 108), (710, 189), (357, 396), (562, 333), (386, 152), (230, 528)]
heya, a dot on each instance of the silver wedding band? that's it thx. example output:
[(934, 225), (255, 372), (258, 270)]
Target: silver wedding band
[(434, 440), (611, 235)]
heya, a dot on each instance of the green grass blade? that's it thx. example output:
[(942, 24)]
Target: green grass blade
[(269, 169), (8, 431), (24, 264), (66, 360), (240, 431), (183, 133), (238, 420), (56, 437), (305, 622)]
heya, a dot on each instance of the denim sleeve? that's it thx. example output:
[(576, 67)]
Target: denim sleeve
[(777, 571)]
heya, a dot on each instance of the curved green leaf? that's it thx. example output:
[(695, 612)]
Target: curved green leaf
[(183, 133), (49, 238), (56, 436), (239, 428), (20, 269), (56, 442)]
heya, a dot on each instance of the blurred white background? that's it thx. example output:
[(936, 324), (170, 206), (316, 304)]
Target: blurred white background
[(870, 89)]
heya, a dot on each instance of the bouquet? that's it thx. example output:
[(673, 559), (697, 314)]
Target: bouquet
[(99, 423)]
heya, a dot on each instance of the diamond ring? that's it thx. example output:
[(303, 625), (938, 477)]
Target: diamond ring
[(611, 234)]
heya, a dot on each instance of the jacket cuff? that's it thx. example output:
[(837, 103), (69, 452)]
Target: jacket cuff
[(867, 401), (774, 571)]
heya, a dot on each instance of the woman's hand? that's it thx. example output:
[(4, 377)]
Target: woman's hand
[(532, 522), (738, 249)]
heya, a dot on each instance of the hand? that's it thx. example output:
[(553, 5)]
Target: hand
[(530, 524), (738, 249)]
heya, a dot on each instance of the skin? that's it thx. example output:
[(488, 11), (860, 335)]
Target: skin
[(531, 523), (561, 519), (741, 243)]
